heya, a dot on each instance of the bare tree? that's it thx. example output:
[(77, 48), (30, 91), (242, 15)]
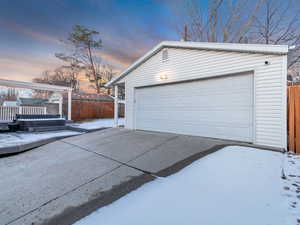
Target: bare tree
[(225, 21), (85, 44), (11, 94), (278, 23), (103, 74), (63, 76), (72, 69), (244, 21)]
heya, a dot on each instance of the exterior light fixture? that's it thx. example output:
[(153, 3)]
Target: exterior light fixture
[(163, 76)]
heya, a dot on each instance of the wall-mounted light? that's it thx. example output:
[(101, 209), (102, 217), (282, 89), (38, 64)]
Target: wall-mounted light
[(163, 76)]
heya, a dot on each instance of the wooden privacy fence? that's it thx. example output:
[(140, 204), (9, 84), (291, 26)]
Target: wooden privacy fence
[(93, 110), (8, 113), (294, 118)]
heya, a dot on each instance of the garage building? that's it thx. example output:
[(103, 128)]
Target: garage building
[(219, 90)]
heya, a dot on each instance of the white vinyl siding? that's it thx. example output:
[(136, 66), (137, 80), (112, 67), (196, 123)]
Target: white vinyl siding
[(186, 64), (199, 108)]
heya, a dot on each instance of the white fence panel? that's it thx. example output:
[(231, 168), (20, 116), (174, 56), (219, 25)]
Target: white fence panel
[(8, 113), (30, 110)]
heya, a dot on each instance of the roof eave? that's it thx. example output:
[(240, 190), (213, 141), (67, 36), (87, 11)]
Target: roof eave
[(247, 48), (36, 86)]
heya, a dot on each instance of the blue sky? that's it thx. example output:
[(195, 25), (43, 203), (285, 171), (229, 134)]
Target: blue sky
[(31, 31)]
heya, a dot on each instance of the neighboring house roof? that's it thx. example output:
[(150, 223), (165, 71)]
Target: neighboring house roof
[(32, 101), (10, 103), (55, 97), (233, 47)]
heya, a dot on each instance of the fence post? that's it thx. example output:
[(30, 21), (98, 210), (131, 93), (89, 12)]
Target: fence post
[(60, 106), (116, 106), (69, 105), (291, 118)]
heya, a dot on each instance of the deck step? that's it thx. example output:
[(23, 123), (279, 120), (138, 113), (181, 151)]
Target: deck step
[(4, 127), (49, 128), (47, 124)]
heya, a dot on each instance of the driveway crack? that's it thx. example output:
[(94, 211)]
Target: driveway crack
[(154, 148), (112, 159), (103, 143)]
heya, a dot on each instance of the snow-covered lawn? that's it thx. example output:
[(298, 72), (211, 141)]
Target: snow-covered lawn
[(292, 185), (15, 139), (233, 186), (96, 124)]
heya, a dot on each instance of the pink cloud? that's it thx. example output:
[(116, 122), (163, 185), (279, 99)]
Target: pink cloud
[(24, 68), (29, 32)]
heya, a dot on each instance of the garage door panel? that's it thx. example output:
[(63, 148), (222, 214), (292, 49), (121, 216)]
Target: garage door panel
[(207, 130), (239, 99), (174, 122), (219, 108), (195, 116), (169, 93), (208, 107)]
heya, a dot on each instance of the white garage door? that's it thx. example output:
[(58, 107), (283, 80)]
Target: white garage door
[(218, 107)]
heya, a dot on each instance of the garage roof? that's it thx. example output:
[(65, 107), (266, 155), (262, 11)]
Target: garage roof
[(233, 47)]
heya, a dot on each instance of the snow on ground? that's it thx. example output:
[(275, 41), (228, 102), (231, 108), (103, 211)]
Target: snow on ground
[(18, 138), (292, 184), (98, 123), (233, 186)]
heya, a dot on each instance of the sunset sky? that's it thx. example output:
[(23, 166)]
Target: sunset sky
[(31, 31)]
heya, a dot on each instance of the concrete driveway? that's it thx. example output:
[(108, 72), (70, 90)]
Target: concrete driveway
[(63, 181)]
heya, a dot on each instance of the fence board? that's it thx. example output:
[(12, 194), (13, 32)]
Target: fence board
[(297, 119), (291, 120), (294, 118)]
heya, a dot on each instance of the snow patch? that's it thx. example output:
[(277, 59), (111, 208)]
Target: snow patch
[(97, 124), (291, 189), (235, 185), (16, 139)]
